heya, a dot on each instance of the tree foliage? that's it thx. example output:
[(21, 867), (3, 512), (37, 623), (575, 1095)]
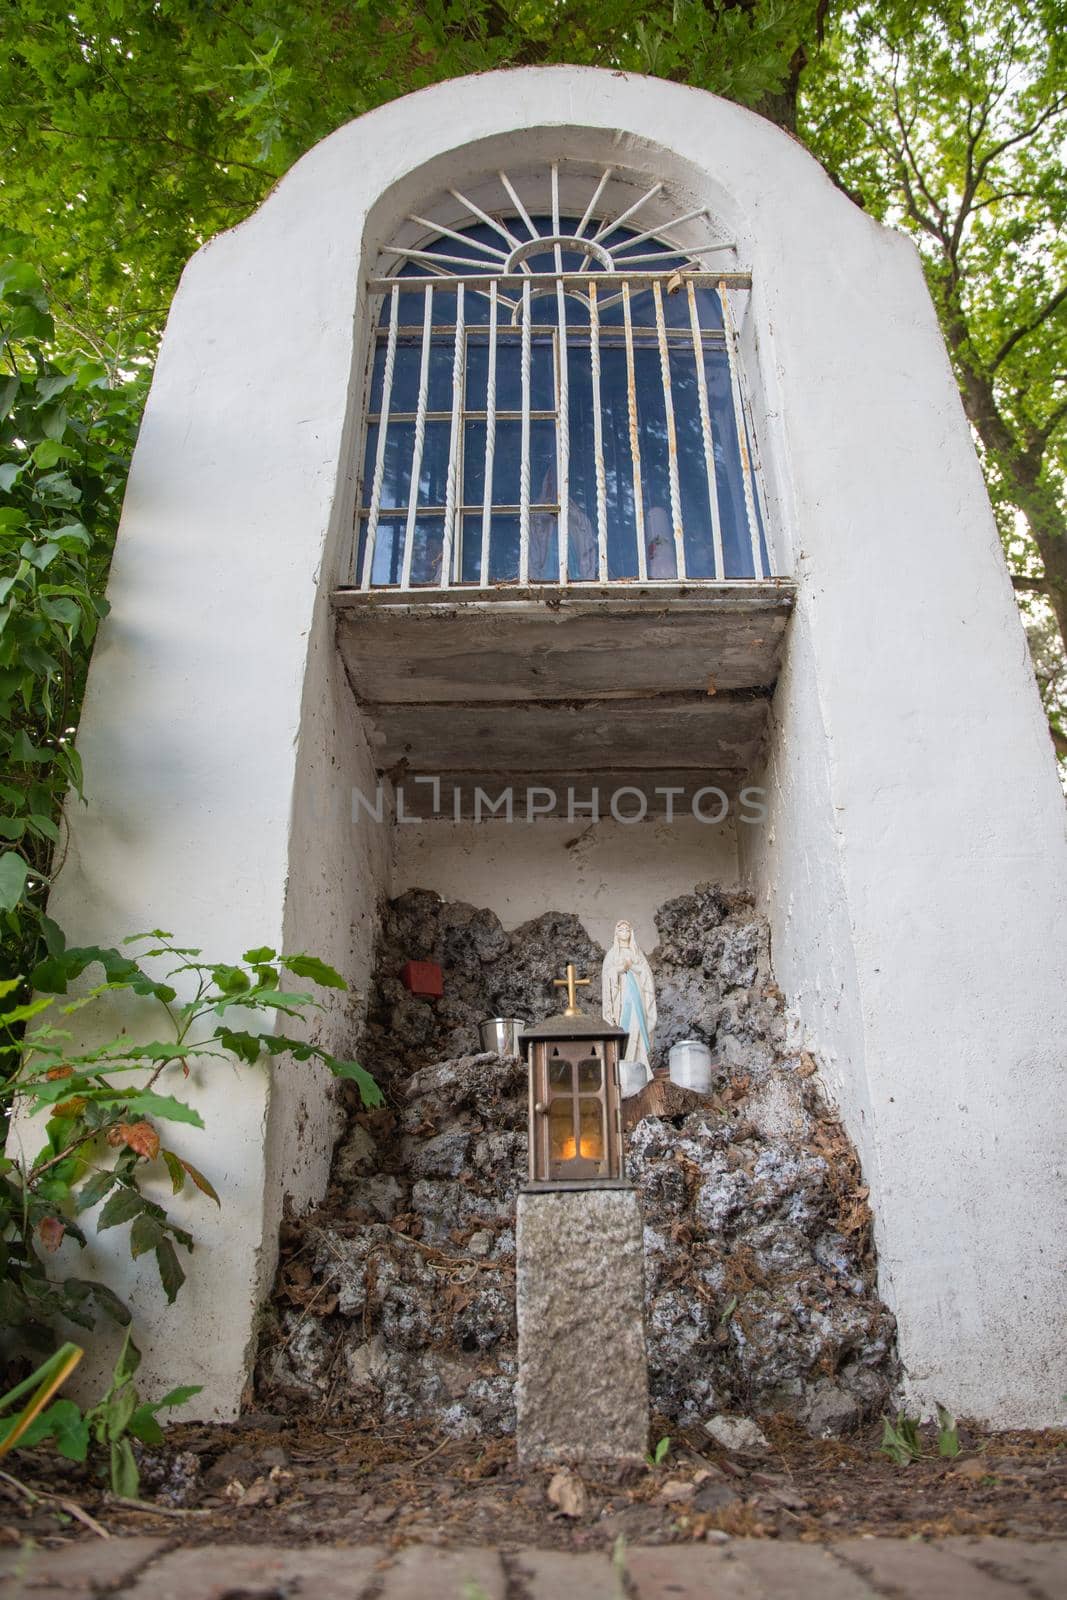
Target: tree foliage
[(133, 132), (66, 432), (953, 126)]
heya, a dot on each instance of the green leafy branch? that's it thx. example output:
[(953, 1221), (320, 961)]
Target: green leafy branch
[(120, 1416), (102, 1104), (66, 432)]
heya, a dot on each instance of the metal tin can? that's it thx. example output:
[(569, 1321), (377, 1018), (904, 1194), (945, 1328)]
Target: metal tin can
[(501, 1034), (690, 1065)]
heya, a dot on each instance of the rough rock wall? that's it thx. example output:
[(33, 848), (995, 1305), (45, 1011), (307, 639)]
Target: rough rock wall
[(399, 1290)]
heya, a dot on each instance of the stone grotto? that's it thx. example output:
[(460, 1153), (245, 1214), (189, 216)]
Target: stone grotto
[(397, 1292)]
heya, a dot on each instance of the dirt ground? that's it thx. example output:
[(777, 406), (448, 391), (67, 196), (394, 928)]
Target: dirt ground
[(288, 1480)]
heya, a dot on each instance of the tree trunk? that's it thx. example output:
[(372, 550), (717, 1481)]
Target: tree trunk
[(781, 107), (1019, 467), (1046, 521)]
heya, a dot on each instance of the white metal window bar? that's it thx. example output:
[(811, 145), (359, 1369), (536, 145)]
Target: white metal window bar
[(418, 525)]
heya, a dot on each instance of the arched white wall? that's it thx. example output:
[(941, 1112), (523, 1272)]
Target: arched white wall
[(219, 741)]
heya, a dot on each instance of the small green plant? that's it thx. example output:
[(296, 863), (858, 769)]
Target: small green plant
[(948, 1438), (104, 1107), (110, 1424), (656, 1457), (40, 1386), (902, 1441)]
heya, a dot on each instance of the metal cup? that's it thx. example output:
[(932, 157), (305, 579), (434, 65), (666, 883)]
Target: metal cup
[(501, 1034), (690, 1065)]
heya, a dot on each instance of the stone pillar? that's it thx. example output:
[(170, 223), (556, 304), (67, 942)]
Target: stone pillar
[(582, 1390)]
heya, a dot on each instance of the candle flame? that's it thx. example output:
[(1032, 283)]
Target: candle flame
[(589, 1149)]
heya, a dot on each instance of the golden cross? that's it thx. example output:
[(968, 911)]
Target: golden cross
[(570, 983)]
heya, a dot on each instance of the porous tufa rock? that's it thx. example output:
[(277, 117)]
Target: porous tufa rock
[(740, 1435), (759, 1273), (832, 1411)]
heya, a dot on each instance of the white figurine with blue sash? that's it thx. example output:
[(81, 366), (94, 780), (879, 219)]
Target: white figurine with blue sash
[(630, 995)]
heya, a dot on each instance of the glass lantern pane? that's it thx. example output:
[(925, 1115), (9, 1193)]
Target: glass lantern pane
[(561, 1130), (559, 1075), (589, 1078), (591, 1130)]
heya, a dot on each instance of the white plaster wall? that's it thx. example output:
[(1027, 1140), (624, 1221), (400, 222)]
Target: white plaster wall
[(600, 871), (913, 864), (338, 875), (917, 825)]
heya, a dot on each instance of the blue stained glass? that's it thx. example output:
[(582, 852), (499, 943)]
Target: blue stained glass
[(692, 465), (733, 518), (388, 562), (617, 466), (509, 372), (503, 548), (507, 457)]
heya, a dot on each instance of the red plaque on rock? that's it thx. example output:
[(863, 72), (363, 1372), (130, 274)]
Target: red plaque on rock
[(423, 978)]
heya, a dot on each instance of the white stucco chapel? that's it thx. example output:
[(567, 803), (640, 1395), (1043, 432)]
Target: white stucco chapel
[(559, 431)]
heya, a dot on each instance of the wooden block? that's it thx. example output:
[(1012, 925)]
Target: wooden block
[(423, 978), (660, 1098)]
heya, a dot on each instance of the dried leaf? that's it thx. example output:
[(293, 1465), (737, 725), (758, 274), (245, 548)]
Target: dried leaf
[(71, 1108), (676, 1489), (50, 1231), (201, 1182), (59, 1072), (142, 1137), (567, 1493)]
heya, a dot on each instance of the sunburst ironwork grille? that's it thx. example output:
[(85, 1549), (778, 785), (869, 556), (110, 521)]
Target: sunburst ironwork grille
[(557, 399)]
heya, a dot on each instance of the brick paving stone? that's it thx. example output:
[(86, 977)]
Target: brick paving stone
[(558, 1575), (690, 1572), (1042, 1566), (257, 1572), (746, 1569), (787, 1570), (77, 1571), (914, 1568), (425, 1572)]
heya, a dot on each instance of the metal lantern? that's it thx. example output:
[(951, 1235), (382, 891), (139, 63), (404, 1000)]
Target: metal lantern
[(575, 1117)]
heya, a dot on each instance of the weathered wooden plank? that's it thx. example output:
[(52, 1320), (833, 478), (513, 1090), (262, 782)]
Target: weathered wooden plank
[(617, 595), (660, 1098), (715, 733), (507, 650)]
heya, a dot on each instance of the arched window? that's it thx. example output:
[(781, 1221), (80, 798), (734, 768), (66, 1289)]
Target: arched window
[(556, 398)]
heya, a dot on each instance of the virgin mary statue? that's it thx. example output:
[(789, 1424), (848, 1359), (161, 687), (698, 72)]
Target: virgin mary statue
[(629, 995)]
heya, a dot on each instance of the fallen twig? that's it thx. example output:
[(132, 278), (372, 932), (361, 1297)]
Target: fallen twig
[(453, 1261), (411, 1465), (20, 1487), (79, 1513), (44, 1496), (155, 1511)]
